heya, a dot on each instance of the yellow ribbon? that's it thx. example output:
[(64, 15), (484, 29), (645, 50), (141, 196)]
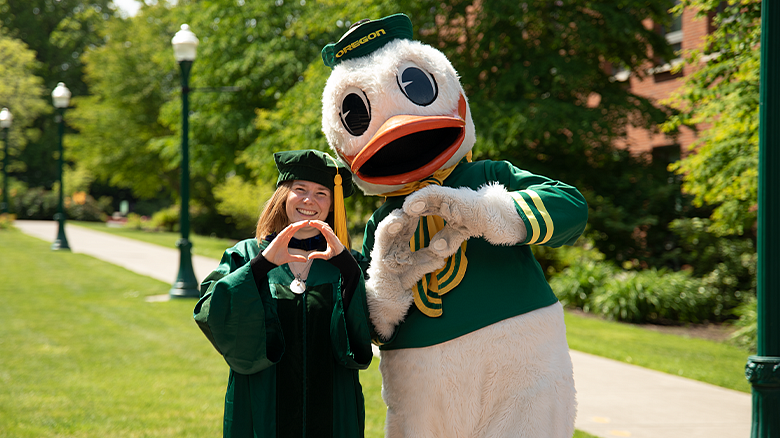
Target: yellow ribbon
[(339, 211), (428, 291)]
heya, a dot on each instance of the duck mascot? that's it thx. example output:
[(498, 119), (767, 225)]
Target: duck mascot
[(472, 338)]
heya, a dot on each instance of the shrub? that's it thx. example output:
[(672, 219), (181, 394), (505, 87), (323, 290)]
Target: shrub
[(137, 222), (574, 286), (36, 203), (747, 334), (83, 207), (7, 221), (40, 204), (727, 264), (166, 219), (654, 296)]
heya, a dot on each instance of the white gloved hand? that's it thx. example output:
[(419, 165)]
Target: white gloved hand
[(395, 269), (488, 212)]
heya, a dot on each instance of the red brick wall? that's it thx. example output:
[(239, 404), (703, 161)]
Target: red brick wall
[(660, 86)]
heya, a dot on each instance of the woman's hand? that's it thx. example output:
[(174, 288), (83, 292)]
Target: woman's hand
[(334, 244), (277, 251)]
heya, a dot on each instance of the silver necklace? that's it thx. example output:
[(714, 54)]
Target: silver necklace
[(298, 284)]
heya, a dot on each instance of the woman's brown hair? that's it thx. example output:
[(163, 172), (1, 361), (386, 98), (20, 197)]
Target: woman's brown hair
[(274, 218)]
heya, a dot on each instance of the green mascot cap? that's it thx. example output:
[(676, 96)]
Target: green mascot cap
[(367, 36)]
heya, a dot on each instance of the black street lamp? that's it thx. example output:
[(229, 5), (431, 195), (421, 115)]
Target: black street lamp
[(185, 45), (61, 98), (5, 123)]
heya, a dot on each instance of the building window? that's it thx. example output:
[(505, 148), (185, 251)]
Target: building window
[(674, 36)]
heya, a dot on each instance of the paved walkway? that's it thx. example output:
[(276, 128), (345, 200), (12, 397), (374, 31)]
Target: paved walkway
[(615, 399)]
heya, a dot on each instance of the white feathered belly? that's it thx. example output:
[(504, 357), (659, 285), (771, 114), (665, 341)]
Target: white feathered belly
[(510, 379)]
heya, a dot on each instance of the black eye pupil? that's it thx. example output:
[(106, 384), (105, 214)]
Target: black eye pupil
[(355, 115), (417, 86)]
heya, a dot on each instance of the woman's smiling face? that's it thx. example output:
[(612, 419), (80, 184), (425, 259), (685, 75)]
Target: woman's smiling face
[(308, 201)]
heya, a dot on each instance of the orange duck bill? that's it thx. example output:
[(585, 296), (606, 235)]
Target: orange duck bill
[(409, 148)]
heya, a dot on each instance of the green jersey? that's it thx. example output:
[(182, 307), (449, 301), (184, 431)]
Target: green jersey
[(500, 281)]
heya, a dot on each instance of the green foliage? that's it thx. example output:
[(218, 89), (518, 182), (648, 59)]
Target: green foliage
[(7, 221), (58, 32), (655, 296), (41, 204), (23, 94), (137, 222), (35, 203), (648, 296), (131, 76), (727, 264), (722, 94), (242, 201), (575, 285), (747, 334), (166, 219), (532, 72)]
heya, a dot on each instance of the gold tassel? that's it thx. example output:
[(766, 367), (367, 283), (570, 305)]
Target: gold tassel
[(339, 212)]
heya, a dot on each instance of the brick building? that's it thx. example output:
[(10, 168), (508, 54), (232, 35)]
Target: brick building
[(687, 32)]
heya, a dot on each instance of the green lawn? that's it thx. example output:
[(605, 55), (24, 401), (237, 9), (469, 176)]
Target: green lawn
[(83, 353), (713, 362), (707, 361)]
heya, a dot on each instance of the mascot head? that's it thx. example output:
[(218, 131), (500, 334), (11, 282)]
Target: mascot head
[(393, 109)]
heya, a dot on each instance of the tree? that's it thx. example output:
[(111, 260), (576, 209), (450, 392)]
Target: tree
[(541, 96), (57, 31), (722, 168), (131, 77), (23, 93)]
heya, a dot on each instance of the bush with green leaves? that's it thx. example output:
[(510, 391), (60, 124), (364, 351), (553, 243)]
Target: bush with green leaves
[(654, 296), (575, 285), (40, 204), (746, 335), (7, 221), (648, 296), (725, 263)]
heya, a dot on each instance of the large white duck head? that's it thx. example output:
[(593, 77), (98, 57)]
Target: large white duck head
[(393, 109)]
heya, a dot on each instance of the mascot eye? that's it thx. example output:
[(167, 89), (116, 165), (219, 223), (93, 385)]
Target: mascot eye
[(355, 111), (417, 84)]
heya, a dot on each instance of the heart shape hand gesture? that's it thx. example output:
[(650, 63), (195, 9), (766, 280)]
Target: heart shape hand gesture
[(278, 252)]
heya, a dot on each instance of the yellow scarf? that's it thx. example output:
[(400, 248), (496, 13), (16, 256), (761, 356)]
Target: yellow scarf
[(428, 291)]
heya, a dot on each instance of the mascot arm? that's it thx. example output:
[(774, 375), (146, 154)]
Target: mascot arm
[(554, 213), (489, 212), (394, 270), (513, 207)]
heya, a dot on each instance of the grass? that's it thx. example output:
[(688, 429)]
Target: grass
[(83, 354), (212, 247), (717, 363), (708, 361)]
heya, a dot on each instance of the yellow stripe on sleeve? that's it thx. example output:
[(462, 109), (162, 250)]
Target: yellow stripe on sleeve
[(528, 214), (542, 211)]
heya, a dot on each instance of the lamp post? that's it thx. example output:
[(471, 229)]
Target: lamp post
[(5, 123), (61, 98), (763, 369), (185, 45)]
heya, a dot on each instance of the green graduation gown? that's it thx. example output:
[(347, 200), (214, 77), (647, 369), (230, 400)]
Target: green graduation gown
[(294, 358)]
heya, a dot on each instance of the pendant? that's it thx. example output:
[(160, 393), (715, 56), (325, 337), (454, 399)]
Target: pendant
[(298, 286)]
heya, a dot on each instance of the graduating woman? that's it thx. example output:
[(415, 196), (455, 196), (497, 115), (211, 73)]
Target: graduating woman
[(288, 312)]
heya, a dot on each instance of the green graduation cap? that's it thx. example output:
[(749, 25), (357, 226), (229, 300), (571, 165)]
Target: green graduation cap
[(315, 166), (367, 36), (319, 167)]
